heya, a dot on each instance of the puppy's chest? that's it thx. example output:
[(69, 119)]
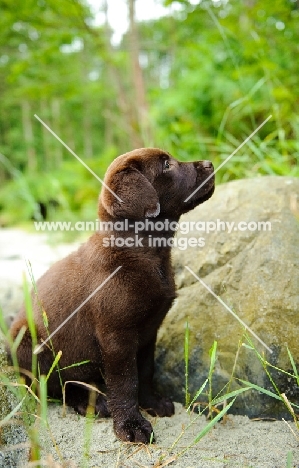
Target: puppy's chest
[(157, 278), (165, 276), (153, 314), (163, 272), (158, 296)]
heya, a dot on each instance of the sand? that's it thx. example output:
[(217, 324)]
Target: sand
[(236, 442)]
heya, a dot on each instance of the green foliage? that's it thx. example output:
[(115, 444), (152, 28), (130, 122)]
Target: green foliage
[(212, 73), (228, 74), (71, 189)]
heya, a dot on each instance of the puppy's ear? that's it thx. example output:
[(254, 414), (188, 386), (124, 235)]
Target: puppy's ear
[(139, 198)]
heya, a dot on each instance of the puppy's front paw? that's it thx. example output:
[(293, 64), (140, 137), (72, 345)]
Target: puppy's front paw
[(156, 405), (134, 430)]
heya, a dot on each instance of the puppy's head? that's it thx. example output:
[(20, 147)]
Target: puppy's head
[(149, 182)]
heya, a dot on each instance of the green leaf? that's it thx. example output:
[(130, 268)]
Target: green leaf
[(293, 365), (212, 423), (213, 356), (261, 389), (230, 395), (199, 392)]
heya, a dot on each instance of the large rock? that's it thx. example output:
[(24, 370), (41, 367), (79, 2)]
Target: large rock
[(256, 273)]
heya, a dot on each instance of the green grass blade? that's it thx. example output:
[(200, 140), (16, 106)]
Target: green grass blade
[(213, 355), (261, 389), (31, 324), (3, 324), (88, 427), (43, 399), (18, 339), (30, 272), (13, 345), (76, 364), (34, 285), (293, 365), (207, 428), (230, 395), (151, 438), (290, 460), (247, 346), (55, 362), (186, 354), (212, 423), (12, 413), (198, 393)]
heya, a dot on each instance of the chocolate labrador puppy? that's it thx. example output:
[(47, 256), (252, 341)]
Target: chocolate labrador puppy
[(117, 288)]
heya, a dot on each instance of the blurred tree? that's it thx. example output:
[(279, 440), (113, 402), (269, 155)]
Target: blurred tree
[(137, 75)]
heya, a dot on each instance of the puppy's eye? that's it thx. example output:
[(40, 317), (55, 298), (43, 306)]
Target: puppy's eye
[(166, 165)]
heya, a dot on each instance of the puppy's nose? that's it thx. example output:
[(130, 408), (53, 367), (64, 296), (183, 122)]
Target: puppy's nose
[(207, 164)]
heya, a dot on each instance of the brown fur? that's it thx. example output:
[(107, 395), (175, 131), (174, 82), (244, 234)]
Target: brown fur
[(116, 329)]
